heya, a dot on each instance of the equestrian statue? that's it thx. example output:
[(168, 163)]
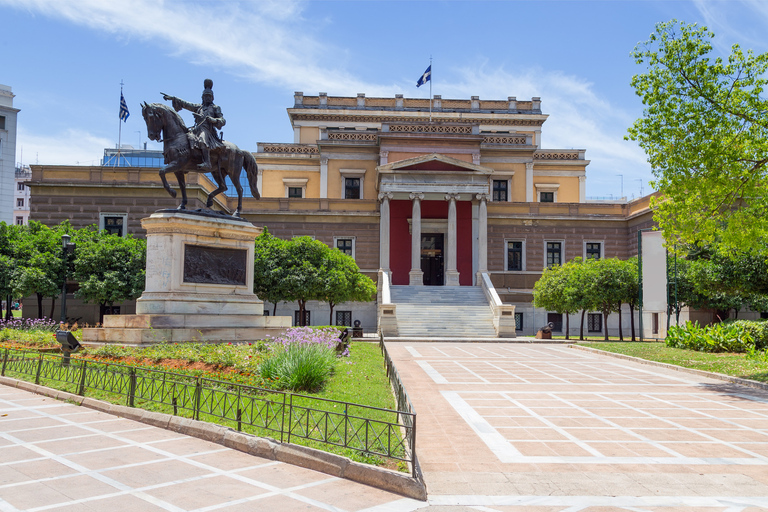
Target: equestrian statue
[(200, 148)]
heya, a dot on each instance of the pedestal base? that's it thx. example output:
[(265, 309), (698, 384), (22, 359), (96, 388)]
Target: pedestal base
[(199, 286), (415, 278), (451, 278)]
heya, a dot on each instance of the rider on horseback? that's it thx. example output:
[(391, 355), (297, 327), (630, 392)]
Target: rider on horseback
[(208, 120)]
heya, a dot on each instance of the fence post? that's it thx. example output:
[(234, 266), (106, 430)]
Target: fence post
[(290, 417), (81, 388), (239, 410), (131, 387), (282, 420), (413, 446), (39, 367), (198, 393), (5, 361), (346, 423)]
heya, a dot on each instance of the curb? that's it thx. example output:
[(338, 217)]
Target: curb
[(719, 376), (310, 458)]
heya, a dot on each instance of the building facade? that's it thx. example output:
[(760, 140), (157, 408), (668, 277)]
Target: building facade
[(433, 195), (7, 154), (21, 196)]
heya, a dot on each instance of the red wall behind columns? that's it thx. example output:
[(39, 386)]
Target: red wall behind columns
[(399, 240), (464, 242), (400, 237)]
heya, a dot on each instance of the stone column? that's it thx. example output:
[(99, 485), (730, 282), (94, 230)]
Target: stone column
[(383, 157), (482, 246), (416, 276), (451, 270), (582, 189), (529, 182), (324, 177), (384, 231)]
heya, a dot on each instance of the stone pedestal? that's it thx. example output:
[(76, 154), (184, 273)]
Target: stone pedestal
[(199, 286)]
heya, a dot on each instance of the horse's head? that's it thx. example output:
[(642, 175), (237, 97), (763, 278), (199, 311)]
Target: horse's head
[(154, 120)]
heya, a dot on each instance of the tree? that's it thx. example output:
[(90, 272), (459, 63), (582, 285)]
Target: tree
[(303, 275), (109, 268), (559, 290), (343, 281), (631, 289), (9, 236), (606, 289), (269, 274), (705, 131)]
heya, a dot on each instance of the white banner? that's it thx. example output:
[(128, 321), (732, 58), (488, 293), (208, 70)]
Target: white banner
[(654, 271)]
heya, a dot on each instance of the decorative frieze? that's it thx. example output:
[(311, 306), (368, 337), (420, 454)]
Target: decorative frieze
[(505, 139), (430, 128), (354, 136), (556, 155), (304, 149), (363, 118)]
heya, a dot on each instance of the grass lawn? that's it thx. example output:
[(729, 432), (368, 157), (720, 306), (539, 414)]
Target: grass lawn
[(736, 365)]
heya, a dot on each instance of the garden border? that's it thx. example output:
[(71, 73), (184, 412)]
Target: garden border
[(310, 458), (719, 376)]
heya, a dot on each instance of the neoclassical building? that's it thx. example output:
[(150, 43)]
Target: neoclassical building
[(448, 198)]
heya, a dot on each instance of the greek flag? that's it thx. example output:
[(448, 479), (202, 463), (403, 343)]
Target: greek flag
[(426, 77), (123, 108)]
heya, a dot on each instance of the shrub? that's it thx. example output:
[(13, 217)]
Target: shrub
[(758, 329), (722, 337), (299, 366)]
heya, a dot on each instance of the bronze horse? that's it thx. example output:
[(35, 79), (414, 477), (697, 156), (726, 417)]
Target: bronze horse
[(182, 156)]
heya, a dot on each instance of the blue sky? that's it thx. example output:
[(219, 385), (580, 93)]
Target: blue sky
[(65, 60)]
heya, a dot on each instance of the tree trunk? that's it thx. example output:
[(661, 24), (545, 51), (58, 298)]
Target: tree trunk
[(567, 326), (632, 320), (39, 305), (621, 330), (8, 314), (581, 328), (605, 325), (302, 315), (53, 307), (330, 320), (101, 314), (274, 309)]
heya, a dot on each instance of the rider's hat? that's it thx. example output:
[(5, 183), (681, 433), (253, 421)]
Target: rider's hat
[(208, 84)]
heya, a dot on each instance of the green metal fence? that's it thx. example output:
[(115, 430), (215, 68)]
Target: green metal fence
[(363, 429)]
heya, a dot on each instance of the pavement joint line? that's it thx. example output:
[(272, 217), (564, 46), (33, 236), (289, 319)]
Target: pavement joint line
[(433, 374), (599, 501), (703, 373)]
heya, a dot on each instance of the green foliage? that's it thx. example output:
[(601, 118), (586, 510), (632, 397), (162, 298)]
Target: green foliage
[(721, 337), (299, 366), (704, 132), (303, 269), (109, 268)]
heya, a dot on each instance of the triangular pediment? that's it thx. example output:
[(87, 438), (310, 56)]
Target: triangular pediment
[(434, 162)]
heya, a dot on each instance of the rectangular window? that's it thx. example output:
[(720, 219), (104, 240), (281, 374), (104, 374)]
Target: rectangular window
[(557, 319), (20, 202), (500, 190), (295, 192), (518, 321), (114, 225), (19, 221), (296, 317), (595, 322), (546, 197), (345, 245), (351, 188), (593, 250), (111, 310), (20, 187), (554, 254), (2, 122), (515, 256), (344, 318), (654, 323)]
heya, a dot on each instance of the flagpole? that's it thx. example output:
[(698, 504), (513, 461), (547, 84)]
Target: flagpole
[(119, 130), (430, 89)]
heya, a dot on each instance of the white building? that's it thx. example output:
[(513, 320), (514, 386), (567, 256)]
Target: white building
[(7, 154), (21, 196)]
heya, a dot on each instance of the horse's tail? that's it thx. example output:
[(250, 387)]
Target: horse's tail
[(252, 171)]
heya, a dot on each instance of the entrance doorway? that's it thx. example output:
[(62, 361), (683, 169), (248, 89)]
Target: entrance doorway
[(432, 258)]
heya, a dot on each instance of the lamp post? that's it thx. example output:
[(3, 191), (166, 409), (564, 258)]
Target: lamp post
[(66, 249)]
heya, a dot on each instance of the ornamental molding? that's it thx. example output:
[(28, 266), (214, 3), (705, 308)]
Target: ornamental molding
[(430, 128), (405, 120), (305, 149), (386, 196), (505, 139), (416, 195), (353, 136), (547, 155)]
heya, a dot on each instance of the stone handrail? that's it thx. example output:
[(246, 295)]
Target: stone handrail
[(503, 314), (387, 311)]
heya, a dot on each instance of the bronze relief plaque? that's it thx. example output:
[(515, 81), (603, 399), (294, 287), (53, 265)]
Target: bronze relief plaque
[(211, 265)]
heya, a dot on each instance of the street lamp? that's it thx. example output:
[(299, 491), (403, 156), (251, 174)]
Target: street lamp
[(67, 248)]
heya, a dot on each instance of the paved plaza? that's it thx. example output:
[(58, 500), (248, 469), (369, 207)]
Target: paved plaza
[(501, 427), (508, 427)]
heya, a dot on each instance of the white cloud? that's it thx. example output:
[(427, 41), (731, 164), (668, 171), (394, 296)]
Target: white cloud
[(71, 147)]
